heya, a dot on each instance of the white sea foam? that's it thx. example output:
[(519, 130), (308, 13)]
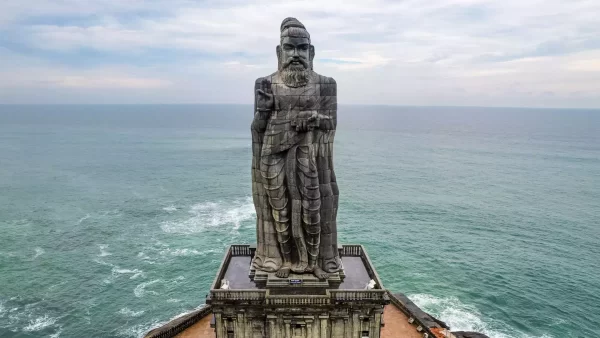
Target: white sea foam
[(39, 323), (38, 252), (211, 214), (184, 252), (140, 290), (83, 218), (2, 309), (170, 208), (103, 250), (130, 313), (146, 258), (139, 330), (135, 273), (463, 317), (57, 333)]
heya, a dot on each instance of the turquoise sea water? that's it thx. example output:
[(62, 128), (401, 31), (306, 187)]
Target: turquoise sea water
[(114, 219)]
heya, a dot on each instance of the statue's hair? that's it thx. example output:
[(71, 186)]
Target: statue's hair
[(292, 27)]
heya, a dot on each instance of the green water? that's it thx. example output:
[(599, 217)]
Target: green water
[(114, 219)]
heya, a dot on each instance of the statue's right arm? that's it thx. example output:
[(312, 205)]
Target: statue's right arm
[(261, 116)]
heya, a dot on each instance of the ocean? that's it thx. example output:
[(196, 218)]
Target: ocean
[(114, 218)]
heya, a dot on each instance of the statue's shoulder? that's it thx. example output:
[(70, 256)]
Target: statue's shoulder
[(322, 79)]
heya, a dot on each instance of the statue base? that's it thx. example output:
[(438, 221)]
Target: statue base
[(306, 280), (249, 303)]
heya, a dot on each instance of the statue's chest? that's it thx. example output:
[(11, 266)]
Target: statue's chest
[(296, 99)]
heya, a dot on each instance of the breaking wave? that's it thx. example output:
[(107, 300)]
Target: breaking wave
[(462, 317), (211, 214), (38, 252), (39, 323), (130, 313), (135, 273), (185, 252), (83, 218), (140, 290), (103, 250), (139, 330), (170, 208), (28, 318)]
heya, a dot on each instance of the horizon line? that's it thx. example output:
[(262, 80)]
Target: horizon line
[(342, 104)]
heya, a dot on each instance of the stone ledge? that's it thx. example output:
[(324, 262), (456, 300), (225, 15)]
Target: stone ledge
[(178, 325)]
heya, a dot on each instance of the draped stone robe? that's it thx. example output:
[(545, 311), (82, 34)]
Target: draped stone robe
[(293, 182)]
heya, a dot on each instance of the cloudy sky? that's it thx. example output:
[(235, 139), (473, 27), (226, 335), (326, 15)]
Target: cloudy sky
[(531, 53)]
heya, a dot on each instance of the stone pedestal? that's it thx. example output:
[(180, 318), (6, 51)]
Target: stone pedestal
[(259, 304), (295, 281)]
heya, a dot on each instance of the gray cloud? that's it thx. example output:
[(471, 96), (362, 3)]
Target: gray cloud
[(446, 52)]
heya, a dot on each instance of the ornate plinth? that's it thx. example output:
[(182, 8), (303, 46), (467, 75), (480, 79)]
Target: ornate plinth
[(295, 281), (259, 304)]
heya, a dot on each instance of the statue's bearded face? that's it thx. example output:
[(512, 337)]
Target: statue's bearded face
[(295, 61)]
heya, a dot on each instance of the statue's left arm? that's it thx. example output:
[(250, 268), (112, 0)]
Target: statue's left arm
[(328, 104)]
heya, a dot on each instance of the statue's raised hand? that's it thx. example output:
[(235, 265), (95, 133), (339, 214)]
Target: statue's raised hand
[(264, 101)]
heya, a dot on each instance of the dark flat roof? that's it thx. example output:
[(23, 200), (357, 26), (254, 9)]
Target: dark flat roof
[(236, 272)]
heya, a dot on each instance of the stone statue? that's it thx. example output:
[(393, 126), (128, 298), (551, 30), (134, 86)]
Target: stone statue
[(293, 183)]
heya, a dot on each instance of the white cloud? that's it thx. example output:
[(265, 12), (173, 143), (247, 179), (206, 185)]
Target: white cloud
[(416, 51)]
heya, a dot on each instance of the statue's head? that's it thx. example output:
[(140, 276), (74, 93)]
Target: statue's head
[(295, 53)]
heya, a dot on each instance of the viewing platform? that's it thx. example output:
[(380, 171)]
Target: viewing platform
[(352, 303)]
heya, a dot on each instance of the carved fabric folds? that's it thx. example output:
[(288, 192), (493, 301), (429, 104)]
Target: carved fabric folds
[(294, 187)]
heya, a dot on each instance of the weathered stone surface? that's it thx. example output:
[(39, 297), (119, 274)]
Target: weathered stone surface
[(300, 305), (294, 185)]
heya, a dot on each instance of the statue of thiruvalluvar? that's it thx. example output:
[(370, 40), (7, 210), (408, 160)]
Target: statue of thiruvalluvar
[(293, 183)]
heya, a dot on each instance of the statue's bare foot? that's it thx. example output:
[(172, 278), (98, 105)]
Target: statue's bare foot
[(320, 274), (284, 272)]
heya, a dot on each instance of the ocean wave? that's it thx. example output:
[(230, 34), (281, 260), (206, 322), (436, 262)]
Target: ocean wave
[(135, 273), (130, 313), (57, 334), (170, 208), (463, 317), (140, 290), (139, 330), (212, 214), (83, 218), (173, 300), (39, 323), (103, 250), (184, 252), (146, 258), (28, 318), (38, 252)]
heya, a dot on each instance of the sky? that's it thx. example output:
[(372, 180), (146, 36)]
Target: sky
[(507, 53)]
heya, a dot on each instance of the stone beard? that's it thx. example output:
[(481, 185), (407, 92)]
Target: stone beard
[(294, 186)]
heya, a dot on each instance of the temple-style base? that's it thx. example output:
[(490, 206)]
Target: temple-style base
[(260, 304)]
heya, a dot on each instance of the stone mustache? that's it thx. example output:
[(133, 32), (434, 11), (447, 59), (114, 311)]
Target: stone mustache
[(293, 182)]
